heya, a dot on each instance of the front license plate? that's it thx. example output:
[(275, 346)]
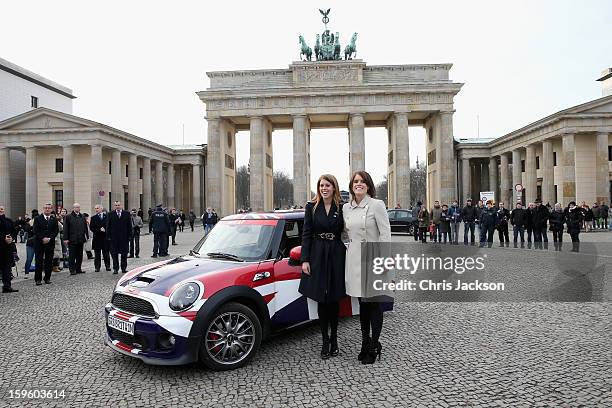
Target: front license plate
[(121, 325)]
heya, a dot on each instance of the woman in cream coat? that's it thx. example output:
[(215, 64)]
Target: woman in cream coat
[(365, 220)]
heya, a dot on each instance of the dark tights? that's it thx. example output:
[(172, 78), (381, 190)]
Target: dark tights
[(370, 314), (328, 316)]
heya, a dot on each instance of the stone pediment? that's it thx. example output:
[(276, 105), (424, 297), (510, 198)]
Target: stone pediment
[(43, 118), (601, 105)]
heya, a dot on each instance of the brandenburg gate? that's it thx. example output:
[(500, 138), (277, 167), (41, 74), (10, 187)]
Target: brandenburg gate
[(329, 93)]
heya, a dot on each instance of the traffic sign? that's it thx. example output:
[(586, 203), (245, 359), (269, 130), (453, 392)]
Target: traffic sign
[(101, 193)]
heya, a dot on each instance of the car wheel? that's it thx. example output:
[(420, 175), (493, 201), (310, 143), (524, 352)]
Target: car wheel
[(232, 337), (411, 229)]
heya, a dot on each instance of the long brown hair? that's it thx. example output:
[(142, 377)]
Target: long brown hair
[(336, 196), (367, 179)]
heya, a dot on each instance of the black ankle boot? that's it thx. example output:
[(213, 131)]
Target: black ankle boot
[(365, 343), (325, 348), (374, 350), (333, 346)]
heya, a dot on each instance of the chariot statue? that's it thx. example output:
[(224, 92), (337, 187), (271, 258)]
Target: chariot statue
[(327, 45)]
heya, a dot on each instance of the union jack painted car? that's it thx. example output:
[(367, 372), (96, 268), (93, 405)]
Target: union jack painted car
[(237, 286)]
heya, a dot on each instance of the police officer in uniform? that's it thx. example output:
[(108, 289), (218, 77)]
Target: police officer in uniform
[(161, 228)]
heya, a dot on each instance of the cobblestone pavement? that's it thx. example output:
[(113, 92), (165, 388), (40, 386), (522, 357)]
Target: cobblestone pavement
[(434, 353)]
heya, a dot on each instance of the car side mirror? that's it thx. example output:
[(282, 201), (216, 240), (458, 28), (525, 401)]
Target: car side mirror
[(295, 256)]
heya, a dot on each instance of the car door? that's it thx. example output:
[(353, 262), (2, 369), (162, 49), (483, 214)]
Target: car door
[(290, 306), (393, 221)]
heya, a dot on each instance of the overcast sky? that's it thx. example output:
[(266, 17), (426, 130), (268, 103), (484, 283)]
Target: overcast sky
[(136, 65)]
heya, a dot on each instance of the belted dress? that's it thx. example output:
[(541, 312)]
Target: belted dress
[(322, 247)]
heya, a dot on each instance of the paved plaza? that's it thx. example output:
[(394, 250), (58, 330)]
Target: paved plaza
[(434, 353)]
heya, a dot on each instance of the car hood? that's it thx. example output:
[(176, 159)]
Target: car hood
[(160, 277)]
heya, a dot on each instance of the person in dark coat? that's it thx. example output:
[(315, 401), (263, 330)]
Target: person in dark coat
[(469, 215), (46, 231), (488, 217), (119, 233), (75, 235), (529, 211), (99, 243), (7, 237), (445, 225), (518, 219), (556, 221), (540, 216), (175, 221), (415, 212), (603, 213), (161, 228), (192, 218), (574, 216), (323, 258), (501, 223)]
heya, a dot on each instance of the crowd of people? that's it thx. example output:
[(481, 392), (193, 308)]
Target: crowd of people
[(56, 240), (443, 223)]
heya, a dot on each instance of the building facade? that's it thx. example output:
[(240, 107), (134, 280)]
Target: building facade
[(59, 158), (563, 157)]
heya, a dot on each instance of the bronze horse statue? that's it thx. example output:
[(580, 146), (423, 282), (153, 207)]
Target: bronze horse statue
[(306, 50), (350, 50), (317, 49)]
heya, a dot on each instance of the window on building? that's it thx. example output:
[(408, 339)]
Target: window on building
[(58, 198), (539, 192), (555, 160), (34, 101), (110, 167), (59, 165), (537, 162), (140, 172), (127, 169), (556, 194), (609, 153), (522, 166)]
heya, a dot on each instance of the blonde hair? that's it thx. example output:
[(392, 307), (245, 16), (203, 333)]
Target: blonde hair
[(335, 197)]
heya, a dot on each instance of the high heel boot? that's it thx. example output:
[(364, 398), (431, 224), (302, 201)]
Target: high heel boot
[(325, 348), (333, 346), (374, 350), (365, 343)]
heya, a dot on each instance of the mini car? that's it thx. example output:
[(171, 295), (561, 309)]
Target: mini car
[(237, 286)]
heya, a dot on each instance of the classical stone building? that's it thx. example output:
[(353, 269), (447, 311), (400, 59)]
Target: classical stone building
[(560, 158), (328, 94), (56, 157)]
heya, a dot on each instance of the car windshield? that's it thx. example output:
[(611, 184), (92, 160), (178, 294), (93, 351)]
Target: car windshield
[(403, 214), (247, 240)]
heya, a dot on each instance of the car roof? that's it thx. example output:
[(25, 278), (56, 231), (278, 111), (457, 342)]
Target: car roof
[(268, 215)]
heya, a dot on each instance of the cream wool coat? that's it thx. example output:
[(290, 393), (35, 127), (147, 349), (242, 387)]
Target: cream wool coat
[(366, 222)]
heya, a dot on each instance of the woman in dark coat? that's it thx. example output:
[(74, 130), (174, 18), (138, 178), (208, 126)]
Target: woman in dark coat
[(323, 256), (556, 221)]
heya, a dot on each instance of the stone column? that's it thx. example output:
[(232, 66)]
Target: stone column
[(178, 189), (213, 165), (548, 185), (116, 177), (493, 178), (356, 143), (504, 180), (31, 180), (5, 180), (96, 176), (569, 168), (256, 164), (68, 184), (530, 174), (146, 186), (301, 160), (447, 164), (197, 195), (170, 186), (517, 174), (602, 186), (133, 195), (159, 183), (466, 182), (402, 161)]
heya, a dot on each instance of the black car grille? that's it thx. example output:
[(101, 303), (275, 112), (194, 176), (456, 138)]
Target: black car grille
[(129, 340), (131, 304)]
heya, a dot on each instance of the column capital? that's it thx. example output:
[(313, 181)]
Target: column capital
[(356, 114)]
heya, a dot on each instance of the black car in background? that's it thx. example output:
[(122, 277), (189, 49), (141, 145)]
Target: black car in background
[(402, 221)]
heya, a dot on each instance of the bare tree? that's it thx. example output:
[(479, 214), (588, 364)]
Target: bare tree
[(382, 189), (418, 184), (242, 187), (283, 190)]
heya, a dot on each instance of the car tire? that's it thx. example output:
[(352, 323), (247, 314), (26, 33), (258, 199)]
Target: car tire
[(411, 230), (224, 349)]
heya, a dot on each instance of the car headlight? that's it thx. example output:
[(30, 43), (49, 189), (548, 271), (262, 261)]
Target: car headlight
[(184, 296)]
